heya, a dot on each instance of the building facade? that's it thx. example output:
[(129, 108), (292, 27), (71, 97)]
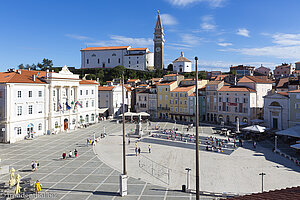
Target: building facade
[(38, 102), (283, 70), (182, 64), (110, 57), (276, 110), (294, 108)]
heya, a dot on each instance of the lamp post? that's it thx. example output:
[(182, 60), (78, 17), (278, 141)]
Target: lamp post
[(276, 142), (123, 177), (197, 136), (188, 178), (262, 181)]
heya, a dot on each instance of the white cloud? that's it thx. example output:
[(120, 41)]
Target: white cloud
[(243, 32), (208, 23), (78, 37), (224, 44), (211, 3), (190, 39), (168, 19), (123, 40), (286, 46)]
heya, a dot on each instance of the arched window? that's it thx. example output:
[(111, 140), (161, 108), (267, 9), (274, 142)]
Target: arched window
[(87, 118), (92, 117), (73, 121), (40, 126), (245, 120), (56, 124), (274, 103)]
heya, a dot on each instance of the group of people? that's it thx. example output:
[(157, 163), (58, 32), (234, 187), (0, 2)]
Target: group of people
[(138, 149), (64, 155), (35, 165)]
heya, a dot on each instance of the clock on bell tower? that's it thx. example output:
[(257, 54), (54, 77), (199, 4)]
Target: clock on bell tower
[(158, 44)]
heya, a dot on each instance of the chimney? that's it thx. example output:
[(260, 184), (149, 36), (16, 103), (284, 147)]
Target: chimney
[(19, 71), (33, 77)]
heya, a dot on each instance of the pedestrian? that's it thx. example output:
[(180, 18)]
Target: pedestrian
[(32, 166), (87, 142), (254, 144), (136, 151), (36, 164), (75, 153), (149, 147), (38, 186), (139, 150), (128, 141), (70, 154), (64, 155)]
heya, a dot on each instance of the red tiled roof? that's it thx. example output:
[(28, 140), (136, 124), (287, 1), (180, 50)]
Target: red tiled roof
[(213, 82), (193, 94), (167, 83), (133, 80), (254, 79), (173, 75), (104, 48), (106, 88), (183, 89), (88, 82), (24, 77), (181, 59), (283, 82), (283, 194), (227, 88)]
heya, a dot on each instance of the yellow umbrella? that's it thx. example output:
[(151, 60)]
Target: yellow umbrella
[(12, 180), (18, 188)]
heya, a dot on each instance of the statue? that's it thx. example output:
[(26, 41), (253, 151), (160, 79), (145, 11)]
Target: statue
[(18, 188), (12, 180)]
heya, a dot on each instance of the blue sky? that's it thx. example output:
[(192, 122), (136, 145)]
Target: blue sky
[(220, 32)]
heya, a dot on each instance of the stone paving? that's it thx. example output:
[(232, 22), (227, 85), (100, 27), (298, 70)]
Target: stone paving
[(84, 177)]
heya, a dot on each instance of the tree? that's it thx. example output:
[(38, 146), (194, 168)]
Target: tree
[(46, 64), (21, 66), (117, 71), (170, 67), (27, 66), (91, 77)]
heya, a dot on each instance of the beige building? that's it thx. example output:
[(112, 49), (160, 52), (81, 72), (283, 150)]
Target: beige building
[(179, 103), (294, 106), (211, 89), (142, 101)]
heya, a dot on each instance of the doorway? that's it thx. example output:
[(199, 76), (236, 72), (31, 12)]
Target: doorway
[(66, 124), (275, 123)]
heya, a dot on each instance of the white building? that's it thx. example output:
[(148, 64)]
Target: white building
[(110, 57), (276, 110), (34, 103), (110, 97), (182, 64)]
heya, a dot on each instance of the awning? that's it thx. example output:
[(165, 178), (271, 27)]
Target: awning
[(144, 114), (102, 110), (255, 128), (293, 132), (296, 146)]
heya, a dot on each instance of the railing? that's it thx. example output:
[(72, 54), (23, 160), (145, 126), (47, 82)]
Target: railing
[(155, 169)]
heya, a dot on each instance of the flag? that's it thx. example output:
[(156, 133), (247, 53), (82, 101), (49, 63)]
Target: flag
[(68, 107), (59, 106), (77, 103)]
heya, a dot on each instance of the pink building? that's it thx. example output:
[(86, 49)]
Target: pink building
[(283, 70), (263, 70)]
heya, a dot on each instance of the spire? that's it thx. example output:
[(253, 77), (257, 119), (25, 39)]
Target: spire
[(158, 22)]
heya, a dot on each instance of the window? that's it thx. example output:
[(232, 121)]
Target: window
[(73, 121), (180, 102), (171, 94), (180, 109), (166, 97), (227, 99), (159, 97), (87, 104), (180, 94), (137, 66), (220, 99), (220, 108), (236, 100), (172, 109), (19, 110), (166, 89), (30, 109), (80, 92), (137, 62), (19, 94), (185, 102), (176, 109), (245, 100), (54, 93), (176, 95), (86, 92), (92, 117), (92, 103), (92, 91), (185, 110), (40, 126), (98, 60), (40, 93), (171, 101), (87, 61), (235, 109), (54, 106), (19, 130), (108, 60), (119, 60), (56, 124), (175, 101), (185, 95), (145, 98), (129, 62)]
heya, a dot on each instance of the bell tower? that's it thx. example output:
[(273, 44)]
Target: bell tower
[(159, 41)]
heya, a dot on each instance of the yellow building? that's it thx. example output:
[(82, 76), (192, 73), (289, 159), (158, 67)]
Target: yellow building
[(179, 103)]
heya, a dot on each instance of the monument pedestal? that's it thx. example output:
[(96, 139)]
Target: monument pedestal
[(123, 185)]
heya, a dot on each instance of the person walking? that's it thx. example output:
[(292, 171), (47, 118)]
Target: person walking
[(87, 142), (70, 154), (75, 153), (149, 147), (139, 150), (64, 155), (136, 151), (32, 166), (254, 144), (38, 186)]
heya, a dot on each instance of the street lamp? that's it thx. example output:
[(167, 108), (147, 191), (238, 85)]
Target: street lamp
[(276, 142), (123, 177), (262, 181), (188, 178), (197, 137)]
